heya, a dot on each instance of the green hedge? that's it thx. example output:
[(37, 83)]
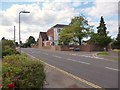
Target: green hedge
[(22, 72), (9, 51)]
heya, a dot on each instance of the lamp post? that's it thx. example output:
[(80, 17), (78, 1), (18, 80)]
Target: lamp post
[(19, 29)]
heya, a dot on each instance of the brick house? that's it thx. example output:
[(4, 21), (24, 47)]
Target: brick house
[(53, 33), (51, 37), (43, 38)]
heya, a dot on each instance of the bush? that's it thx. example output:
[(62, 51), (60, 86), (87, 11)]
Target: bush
[(9, 51), (22, 72), (8, 47)]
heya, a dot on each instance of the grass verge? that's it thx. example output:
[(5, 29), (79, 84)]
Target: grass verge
[(117, 59), (102, 53), (116, 50)]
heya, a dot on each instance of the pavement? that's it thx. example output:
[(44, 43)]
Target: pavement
[(82, 66), (58, 79)]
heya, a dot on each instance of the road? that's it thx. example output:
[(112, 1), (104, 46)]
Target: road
[(100, 72)]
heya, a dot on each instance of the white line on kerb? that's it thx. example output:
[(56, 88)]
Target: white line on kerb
[(56, 56), (77, 61), (112, 68)]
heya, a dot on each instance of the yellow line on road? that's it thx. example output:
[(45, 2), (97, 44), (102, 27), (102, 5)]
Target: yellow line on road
[(69, 74)]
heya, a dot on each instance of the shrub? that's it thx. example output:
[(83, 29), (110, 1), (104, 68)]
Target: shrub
[(9, 51), (8, 47), (24, 72)]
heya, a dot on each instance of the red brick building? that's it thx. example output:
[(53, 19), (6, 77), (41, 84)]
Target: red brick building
[(51, 37)]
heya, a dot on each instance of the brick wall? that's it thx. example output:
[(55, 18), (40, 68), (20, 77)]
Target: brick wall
[(50, 32), (83, 48)]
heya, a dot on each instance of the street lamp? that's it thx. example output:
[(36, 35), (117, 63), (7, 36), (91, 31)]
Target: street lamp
[(19, 28)]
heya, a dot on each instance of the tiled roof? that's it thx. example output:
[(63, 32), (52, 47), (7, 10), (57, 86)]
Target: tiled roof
[(59, 26)]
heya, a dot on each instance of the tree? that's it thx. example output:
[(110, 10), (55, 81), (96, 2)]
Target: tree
[(101, 38), (30, 40), (3, 38), (65, 36), (118, 37), (116, 42), (76, 31), (102, 28)]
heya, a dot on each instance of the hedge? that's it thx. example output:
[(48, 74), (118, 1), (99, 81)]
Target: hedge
[(19, 71)]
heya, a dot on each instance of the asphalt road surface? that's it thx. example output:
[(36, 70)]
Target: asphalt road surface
[(100, 72)]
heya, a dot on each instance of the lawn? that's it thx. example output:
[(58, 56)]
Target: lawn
[(102, 53), (117, 59), (116, 50)]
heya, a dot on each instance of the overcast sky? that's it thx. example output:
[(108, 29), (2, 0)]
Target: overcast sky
[(46, 13)]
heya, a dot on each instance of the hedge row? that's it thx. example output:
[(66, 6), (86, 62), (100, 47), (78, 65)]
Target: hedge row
[(19, 71)]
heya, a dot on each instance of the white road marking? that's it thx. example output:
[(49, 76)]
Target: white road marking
[(112, 69), (69, 74), (73, 54), (77, 61), (89, 56), (56, 56), (45, 53)]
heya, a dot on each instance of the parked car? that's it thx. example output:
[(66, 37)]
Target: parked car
[(76, 49)]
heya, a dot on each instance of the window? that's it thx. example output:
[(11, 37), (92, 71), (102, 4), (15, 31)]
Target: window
[(58, 30)]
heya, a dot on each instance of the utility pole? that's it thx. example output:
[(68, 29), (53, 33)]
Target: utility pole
[(14, 38), (14, 34)]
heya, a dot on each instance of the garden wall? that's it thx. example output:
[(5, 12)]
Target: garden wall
[(82, 48)]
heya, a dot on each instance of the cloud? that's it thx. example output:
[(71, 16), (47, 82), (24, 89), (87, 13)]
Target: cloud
[(103, 8), (45, 14), (39, 19), (112, 27)]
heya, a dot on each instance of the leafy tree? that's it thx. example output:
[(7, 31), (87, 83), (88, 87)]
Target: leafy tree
[(65, 36), (30, 40), (76, 31), (118, 37), (3, 38), (101, 38), (117, 41)]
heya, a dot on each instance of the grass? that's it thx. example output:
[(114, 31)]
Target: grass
[(102, 53), (116, 50), (117, 59)]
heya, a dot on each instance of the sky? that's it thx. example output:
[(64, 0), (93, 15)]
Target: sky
[(46, 13)]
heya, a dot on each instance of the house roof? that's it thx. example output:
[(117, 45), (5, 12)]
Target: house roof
[(44, 35), (59, 26)]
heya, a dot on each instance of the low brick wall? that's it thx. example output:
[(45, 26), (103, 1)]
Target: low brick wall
[(82, 48), (34, 46), (47, 47), (86, 48)]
